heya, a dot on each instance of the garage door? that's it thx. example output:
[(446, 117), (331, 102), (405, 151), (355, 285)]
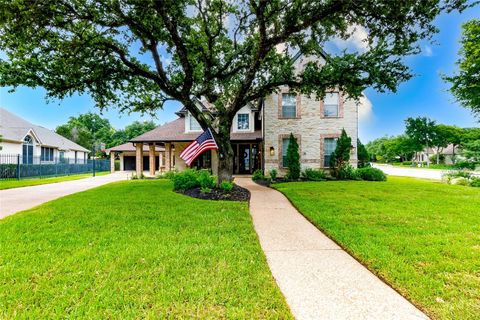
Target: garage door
[(129, 163)]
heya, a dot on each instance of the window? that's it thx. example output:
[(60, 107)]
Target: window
[(76, 156), (243, 121), (46, 154), (329, 145), (194, 125), (285, 143), (330, 107), (289, 106), (62, 156), (27, 150)]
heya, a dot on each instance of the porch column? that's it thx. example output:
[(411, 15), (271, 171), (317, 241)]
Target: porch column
[(112, 161), (139, 159), (160, 161), (151, 158), (121, 162), (168, 157)]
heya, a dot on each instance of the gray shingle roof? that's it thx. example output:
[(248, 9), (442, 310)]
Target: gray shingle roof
[(130, 147), (14, 128), (175, 131)]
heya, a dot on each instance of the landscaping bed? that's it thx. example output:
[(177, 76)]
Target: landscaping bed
[(236, 194)]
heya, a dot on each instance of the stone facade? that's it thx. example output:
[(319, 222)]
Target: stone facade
[(310, 127)]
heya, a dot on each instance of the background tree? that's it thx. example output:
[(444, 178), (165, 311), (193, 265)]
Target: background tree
[(440, 139), (466, 83), (471, 151), (454, 137), (340, 157), (225, 51), (362, 155), (87, 129), (421, 131), (293, 159)]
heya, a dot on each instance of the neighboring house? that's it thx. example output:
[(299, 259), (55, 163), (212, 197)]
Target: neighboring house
[(259, 133), (448, 152), (34, 144)]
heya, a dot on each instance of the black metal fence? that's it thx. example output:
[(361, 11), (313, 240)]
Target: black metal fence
[(14, 166)]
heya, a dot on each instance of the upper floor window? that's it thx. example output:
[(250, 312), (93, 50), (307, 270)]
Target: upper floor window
[(329, 146), (289, 105), (243, 121), (331, 103), (194, 125), (46, 154)]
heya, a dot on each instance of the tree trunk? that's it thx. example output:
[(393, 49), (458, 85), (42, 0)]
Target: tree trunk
[(225, 153), (438, 157)]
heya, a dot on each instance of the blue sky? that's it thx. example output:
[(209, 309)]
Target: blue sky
[(424, 95)]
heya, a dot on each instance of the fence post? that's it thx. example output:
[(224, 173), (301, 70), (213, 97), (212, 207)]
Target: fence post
[(18, 166)]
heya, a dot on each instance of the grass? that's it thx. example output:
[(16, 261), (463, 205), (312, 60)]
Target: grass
[(422, 237), (135, 250), (9, 184)]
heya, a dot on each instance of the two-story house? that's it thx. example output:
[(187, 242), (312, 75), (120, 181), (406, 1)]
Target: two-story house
[(259, 134)]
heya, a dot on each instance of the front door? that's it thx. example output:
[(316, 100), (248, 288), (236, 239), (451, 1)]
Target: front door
[(244, 158)]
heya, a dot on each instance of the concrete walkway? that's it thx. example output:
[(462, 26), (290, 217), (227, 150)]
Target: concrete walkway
[(19, 199), (410, 172), (318, 279)]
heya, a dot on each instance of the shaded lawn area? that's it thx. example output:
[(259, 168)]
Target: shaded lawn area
[(422, 237), (135, 249), (9, 184)]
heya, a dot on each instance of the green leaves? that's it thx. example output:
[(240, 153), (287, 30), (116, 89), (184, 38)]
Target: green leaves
[(466, 83)]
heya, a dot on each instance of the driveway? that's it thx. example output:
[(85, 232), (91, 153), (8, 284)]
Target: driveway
[(19, 199), (318, 278), (410, 172)]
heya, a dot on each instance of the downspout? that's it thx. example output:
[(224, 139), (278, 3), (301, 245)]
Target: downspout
[(263, 136)]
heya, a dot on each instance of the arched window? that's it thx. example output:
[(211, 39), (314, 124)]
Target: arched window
[(27, 156)]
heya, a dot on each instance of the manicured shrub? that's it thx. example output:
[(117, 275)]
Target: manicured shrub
[(226, 186), (347, 172), (167, 175), (407, 163), (475, 182), (293, 159), (273, 174), (465, 165), (371, 174), (205, 179), (340, 157), (362, 155), (461, 181), (186, 179), (258, 175), (314, 174)]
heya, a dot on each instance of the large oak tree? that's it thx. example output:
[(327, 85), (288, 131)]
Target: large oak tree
[(224, 51)]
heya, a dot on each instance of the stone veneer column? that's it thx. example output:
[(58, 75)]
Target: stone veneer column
[(112, 161), (151, 158), (139, 158), (168, 157)]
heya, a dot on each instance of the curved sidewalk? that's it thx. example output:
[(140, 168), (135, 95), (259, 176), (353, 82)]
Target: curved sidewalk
[(318, 279), (19, 199)]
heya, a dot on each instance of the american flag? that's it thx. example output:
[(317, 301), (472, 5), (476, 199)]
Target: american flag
[(203, 142)]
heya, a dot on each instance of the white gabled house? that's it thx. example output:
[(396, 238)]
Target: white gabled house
[(32, 144)]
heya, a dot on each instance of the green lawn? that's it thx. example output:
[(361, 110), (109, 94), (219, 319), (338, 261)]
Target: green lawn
[(422, 237), (9, 184), (135, 250)]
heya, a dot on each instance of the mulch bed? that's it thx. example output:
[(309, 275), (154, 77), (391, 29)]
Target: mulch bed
[(236, 194)]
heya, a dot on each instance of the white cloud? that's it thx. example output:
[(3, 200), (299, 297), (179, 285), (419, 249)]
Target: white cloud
[(358, 39), (365, 109), (427, 51)]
